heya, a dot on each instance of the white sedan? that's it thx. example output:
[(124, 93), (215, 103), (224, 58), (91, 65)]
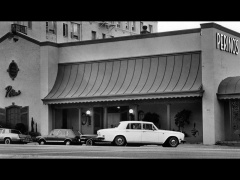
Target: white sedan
[(140, 132)]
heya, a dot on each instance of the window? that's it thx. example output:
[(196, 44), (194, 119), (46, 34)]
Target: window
[(147, 126), (127, 25), (51, 27), (15, 131), (94, 35), (133, 26), (65, 30), (54, 132), (118, 24), (29, 24), (103, 35), (134, 126), (150, 28), (75, 31)]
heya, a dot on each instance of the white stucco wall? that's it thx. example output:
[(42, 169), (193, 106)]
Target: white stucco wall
[(130, 48), (216, 66), (26, 54)]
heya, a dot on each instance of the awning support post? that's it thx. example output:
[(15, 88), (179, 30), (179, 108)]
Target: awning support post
[(169, 116)]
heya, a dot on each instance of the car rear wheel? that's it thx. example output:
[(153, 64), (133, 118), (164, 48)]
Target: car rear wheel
[(67, 142), (41, 142), (173, 142), (89, 142), (120, 141), (7, 141)]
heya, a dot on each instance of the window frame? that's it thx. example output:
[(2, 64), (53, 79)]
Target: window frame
[(65, 30), (94, 35), (52, 28), (75, 34)]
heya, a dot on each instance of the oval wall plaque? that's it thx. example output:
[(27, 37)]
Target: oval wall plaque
[(13, 70)]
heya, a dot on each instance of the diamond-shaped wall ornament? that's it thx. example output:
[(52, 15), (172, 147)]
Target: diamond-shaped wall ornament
[(13, 69)]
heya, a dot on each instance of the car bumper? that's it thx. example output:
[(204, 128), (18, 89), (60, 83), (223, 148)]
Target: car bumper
[(95, 139)]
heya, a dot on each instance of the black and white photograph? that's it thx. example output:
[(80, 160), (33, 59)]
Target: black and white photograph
[(119, 90)]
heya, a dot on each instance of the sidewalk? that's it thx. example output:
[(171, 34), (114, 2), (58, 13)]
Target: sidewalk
[(220, 144)]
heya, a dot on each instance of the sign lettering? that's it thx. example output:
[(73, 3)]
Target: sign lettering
[(226, 43), (11, 92)]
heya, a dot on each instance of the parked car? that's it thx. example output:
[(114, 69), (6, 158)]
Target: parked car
[(140, 132), (90, 139), (60, 136), (9, 136)]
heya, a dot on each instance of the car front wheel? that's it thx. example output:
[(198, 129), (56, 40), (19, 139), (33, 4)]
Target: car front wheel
[(120, 141), (41, 142), (67, 142), (89, 142), (7, 141), (173, 142)]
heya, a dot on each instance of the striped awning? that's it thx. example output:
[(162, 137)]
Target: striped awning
[(229, 88), (169, 76)]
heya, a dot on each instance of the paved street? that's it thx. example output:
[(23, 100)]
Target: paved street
[(183, 151)]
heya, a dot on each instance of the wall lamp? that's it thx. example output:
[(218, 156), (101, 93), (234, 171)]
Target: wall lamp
[(131, 115), (88, 117), (131, 111), (88, 112)]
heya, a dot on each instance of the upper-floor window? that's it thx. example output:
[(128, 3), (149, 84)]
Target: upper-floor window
[(127, 24), (103, 35), (75, 31), (118, 24), (94, 35), (150, 28), (29, 24), (65, 30), (51, 27), (134, 26)]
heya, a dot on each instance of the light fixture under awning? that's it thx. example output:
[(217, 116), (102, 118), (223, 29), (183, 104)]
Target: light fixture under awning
[(155, 77), (229, 88)]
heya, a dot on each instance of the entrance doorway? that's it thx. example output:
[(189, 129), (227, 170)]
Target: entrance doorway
[(235, 120), (116, 114), (12, 115)]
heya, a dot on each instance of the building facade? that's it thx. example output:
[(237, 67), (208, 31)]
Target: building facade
[(95, 84), (74, 31)]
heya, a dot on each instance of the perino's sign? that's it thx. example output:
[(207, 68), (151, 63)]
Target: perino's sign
[(226, 43)]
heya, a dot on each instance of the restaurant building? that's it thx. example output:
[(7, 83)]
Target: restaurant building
[(95, 84)]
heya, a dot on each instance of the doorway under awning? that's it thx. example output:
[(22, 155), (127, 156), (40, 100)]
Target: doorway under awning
[(154, 77), (229, 88)]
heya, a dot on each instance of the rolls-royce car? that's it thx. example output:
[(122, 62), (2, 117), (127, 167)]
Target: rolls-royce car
[(140, 132)]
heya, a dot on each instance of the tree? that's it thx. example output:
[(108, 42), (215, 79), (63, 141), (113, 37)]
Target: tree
[(182, 118)]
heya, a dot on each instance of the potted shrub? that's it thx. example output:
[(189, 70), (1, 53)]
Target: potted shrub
[(182, 118)]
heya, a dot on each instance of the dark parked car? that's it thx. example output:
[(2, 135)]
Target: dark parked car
[(60, 136), (90, 139), (9, 136)]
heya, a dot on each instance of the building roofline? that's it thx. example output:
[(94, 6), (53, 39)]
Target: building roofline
[(123, 38), (96, 41), (219, 27)]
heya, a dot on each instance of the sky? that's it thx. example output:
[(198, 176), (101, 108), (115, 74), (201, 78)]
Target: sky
[(164, 26)]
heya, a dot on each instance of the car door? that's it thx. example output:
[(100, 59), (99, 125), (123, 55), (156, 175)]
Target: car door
[(61, 136), (133, 133), (149, 134), (52, 137)]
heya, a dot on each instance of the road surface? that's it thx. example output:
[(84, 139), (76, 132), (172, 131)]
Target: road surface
[(35, 151)]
